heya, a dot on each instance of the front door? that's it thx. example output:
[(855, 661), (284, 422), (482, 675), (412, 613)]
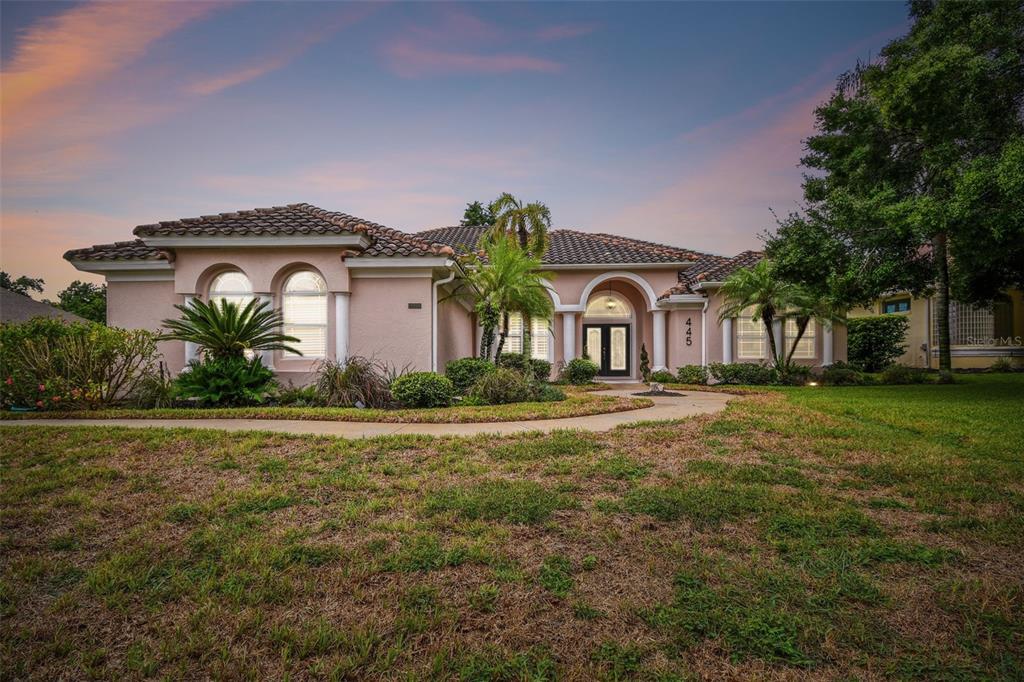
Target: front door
[(608, 346)]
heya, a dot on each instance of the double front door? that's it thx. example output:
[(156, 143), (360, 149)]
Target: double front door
[(608, 346)]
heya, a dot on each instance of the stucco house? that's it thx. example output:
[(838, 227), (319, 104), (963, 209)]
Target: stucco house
[(979, 335), (348, 286)]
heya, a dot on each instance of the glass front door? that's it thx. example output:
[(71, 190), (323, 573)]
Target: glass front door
[(608, 346)]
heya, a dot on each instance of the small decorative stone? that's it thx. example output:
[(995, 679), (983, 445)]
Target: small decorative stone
[(655, 387)]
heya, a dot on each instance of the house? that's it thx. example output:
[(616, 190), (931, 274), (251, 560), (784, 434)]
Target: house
[(15, 307), (348, 286), (979, 336)]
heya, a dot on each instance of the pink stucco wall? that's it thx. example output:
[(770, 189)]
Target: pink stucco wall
[(266, 268), (455, 332), (679, 353), (144, 305), (382, 326)]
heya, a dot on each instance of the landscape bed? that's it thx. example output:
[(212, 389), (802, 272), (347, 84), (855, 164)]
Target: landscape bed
[(827, 533), (580, 404)]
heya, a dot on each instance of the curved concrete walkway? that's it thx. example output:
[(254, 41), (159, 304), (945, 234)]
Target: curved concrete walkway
[(690, 404)]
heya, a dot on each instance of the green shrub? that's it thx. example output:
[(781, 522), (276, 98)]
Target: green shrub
[(48, 364), (298, 396), (794, 375), (742, 373), (541, 368), (546, 393), (502, 386), (423, 389), (876, 342), (842, 374), (692, 374), (225, 382), (663, 376), (156, 390), (580, 371), (357, 382), (516, 361), (901, 374), (1001, 365), (464, 372)]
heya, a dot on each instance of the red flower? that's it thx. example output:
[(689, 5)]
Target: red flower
[(42, 387), (56, 398), (39, 403), (10, 380)]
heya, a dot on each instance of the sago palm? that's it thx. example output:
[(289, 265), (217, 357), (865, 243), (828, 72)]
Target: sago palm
[(759, 289), (228, 330)]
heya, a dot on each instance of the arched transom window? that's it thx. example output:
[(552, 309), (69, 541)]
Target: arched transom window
[(610, 305), (233, 287), (304, 306)]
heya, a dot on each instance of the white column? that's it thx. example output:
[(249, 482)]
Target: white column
[(568, 337), (827, 357), (777, 333), (727, 340), (341, 300), (267, 356), (191, 349), (658, 330)]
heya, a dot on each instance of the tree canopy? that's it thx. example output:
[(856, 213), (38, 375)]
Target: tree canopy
[(85, 300), (22, 285), (916, 173), (477, 213)]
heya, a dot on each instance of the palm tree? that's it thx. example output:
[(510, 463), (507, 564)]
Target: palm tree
[(760, 289), (505, 280), (227, 330), (529, 225), (803, 308)]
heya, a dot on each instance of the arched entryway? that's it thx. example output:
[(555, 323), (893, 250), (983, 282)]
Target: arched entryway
[(608, 332)]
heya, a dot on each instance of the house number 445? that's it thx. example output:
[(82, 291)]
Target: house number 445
[(689, 331)]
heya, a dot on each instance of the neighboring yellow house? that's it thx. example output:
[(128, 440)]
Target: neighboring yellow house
[(978, 336)]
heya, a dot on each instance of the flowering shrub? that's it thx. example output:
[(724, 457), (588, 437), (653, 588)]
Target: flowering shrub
[(49, 364)]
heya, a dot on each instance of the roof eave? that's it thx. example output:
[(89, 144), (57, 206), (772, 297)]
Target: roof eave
[(359, 241)]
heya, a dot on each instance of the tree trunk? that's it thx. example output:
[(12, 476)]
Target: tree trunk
[(768, 318), (527, 336), (939, 243), (501, 337), (801, 329)]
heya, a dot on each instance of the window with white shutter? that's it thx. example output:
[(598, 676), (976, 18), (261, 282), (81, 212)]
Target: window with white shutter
[(304, 307), (540, 339), (750, 337)]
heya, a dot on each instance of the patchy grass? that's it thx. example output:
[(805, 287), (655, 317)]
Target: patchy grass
[(577, 404), (826, 533)]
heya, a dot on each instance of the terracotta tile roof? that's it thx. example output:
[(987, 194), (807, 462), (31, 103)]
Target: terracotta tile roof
[(133, 250), (571, 247), (293, 219), (712, 269)]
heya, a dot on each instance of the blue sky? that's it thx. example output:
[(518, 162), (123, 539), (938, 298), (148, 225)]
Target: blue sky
[(677, 122)]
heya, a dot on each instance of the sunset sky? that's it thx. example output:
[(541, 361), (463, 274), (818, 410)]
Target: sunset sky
[(679, 123)]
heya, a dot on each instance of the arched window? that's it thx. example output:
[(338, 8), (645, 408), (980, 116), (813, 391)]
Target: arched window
[(304, 306), (609, 305), (233, 287)]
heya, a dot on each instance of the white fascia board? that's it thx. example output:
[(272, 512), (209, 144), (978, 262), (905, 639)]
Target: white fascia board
[(683, 299), (362, 262), (707, 285), (248, 241), (104, 266), (381, 273), (620, 266)]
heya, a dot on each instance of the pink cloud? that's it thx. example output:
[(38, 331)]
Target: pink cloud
[(411, 60), (565, 31)]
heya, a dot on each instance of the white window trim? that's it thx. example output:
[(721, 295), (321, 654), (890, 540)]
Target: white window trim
[(809, 335), (549, 356)]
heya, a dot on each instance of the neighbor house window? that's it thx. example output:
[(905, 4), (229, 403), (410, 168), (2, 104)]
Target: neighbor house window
[(899, 305), (750, 337), (233, 287), (540, 341), (304, 306), (805, 348), (976, 326)]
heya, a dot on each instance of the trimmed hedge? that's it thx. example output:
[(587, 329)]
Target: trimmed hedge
[(692, 374), (520, 361), (502, 386), (465, 372), (423, 389), (580, 371), (743, 373), (876, 342)]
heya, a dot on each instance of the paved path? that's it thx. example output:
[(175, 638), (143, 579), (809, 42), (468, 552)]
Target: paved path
[(688, 405)]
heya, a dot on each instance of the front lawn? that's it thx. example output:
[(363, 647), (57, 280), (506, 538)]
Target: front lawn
[(576, 404), (867, 532)]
